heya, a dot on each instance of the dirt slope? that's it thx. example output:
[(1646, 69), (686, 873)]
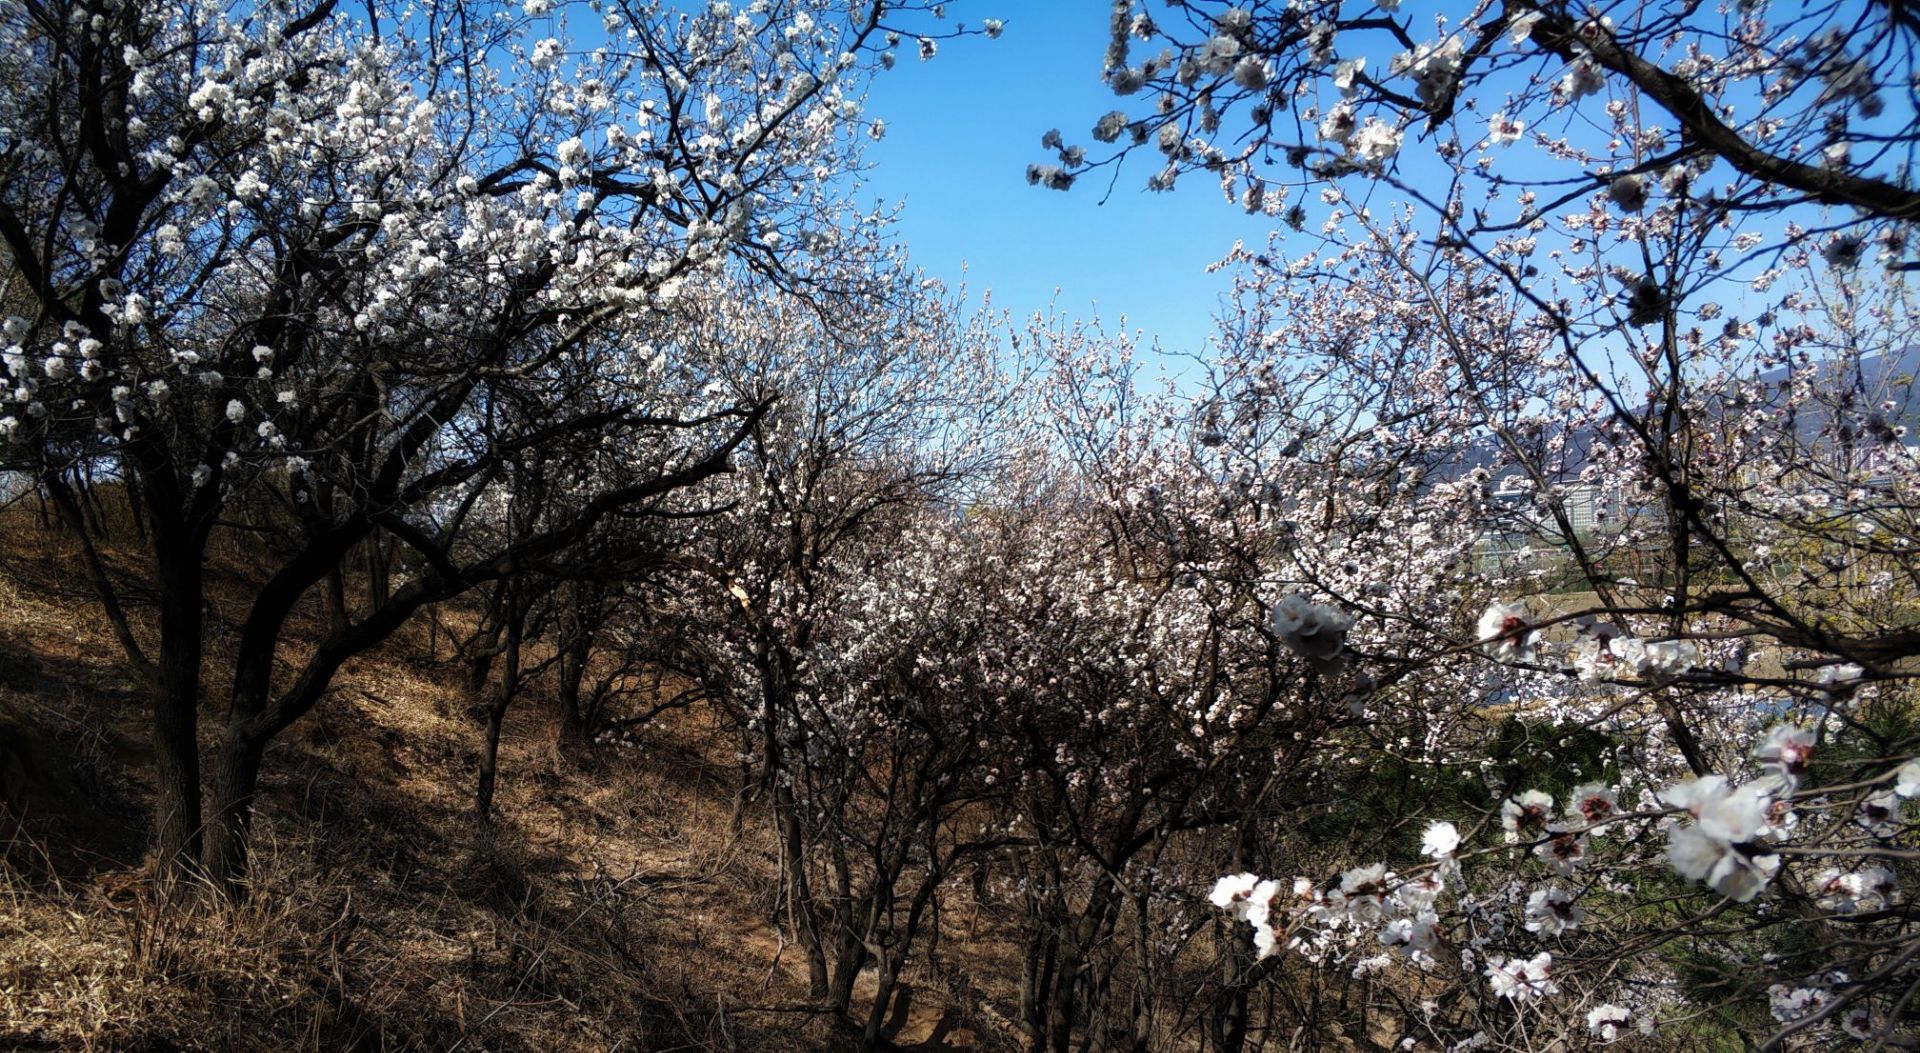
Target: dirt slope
[(615, 903)]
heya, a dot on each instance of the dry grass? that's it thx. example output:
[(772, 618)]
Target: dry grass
[(611, 905)]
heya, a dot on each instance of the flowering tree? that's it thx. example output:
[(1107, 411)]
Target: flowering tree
[(1665, 399), (355, 267), (827, 611), (1518, 607), (1787, 104), (1317, 613)]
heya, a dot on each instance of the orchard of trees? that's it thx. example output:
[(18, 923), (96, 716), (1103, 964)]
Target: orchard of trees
[(1504, 637)]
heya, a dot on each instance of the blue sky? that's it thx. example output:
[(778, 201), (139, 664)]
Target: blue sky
[(961, 130)]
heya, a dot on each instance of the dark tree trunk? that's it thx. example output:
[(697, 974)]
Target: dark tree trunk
[(1228, 1025), (489, 764), (851, 919), (337, 616), (133, 502), (503, 694), (234, 781), (797, 891), (250, 725), (379, 566), (849, 957), (577, 634), (1064, 1010), (885, 982), (486, 644), (94, 510), (176, 700), (1036, 976), (570, 734)]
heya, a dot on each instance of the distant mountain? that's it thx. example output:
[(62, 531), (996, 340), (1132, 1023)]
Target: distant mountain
[(1855, 392), (1865, 399)]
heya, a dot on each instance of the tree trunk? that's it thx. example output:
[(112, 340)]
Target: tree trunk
[(503, 693), (1228, 1026), (797, 892), (235, 776), (852, 923), (849, 957), (337, 617), (133, 501), (176, 702), (1064, 1010), (884, 985), (379, 560), (489, 764), (570, 737), (486, 645), (234, 781), (1036, 976), (93, 512)]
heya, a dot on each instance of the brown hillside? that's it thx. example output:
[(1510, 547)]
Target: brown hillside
[(615, 902)]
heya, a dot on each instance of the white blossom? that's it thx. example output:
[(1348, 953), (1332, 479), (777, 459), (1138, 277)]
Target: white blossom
[(1433, 67), (1313, 630), (1504, 130), (1522, 980), (1881, 813), (1524, 816), (1505, 634), (1520, 27), (1629, 192), (1864, 890), (1440, 841), (1551, 911), (1252, 73), (1339, 124), (1592, 803), (1607, 1022), (1658, 659), (1564, 850), (1411, 936), (1714, 849), (1233, 890), (1907, 779), (1376, 141), (1583, 78), (1784, 753), (1346, 75)]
